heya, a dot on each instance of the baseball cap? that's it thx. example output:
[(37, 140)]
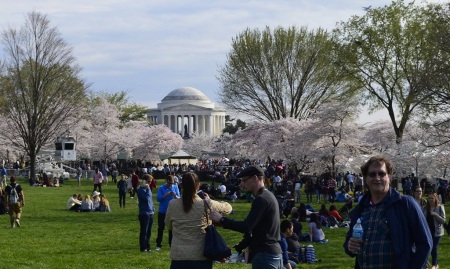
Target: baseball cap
[(251, 170)]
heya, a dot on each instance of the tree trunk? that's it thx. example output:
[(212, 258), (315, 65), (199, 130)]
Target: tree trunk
[(32, 173)]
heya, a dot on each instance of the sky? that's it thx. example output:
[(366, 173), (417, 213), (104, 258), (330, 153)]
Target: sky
[(149, 48)]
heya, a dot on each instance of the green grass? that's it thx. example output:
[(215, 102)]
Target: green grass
[(52, 237)]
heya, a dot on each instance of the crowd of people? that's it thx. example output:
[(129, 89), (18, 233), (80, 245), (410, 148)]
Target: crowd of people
[(89, 203), (409, 225)]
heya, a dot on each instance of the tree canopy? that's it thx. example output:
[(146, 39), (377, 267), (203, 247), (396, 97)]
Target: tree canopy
[(270, 75), (389, 53), (42, 93), (129, 111)]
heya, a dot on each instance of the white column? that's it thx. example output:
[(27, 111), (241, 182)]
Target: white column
[(223, 122), (204, 124), (168, 122), (211, 125), (190, 123), (196, 124)]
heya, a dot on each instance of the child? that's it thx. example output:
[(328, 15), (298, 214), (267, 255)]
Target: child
[(122, 186)]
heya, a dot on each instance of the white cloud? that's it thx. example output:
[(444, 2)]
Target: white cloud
[(153, 47)]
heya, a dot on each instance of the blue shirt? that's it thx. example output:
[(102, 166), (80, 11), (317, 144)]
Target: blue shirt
[(164, 201), (145, 201), (284, 249), (122, 185), (3, 171)]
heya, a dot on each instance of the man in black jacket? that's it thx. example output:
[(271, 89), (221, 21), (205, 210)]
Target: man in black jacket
[(263, 221)]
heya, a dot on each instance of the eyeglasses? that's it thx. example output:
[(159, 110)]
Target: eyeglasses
[(374, 174)]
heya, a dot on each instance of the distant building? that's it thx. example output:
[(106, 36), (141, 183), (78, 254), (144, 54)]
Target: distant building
[(187, 110)]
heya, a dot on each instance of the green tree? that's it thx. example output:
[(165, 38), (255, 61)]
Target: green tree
[(388, 52), (437, 110), (273, 75), (233, 128), (41, 90), (129, 111)]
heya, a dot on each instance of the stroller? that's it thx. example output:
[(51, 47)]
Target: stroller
[(285, 205), (344, 210)]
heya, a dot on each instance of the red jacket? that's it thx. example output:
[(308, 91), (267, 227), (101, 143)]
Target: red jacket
[(134, 180)]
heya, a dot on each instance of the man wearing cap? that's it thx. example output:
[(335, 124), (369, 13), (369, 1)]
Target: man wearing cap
[(166, 193), (262, 223), (15, 207)]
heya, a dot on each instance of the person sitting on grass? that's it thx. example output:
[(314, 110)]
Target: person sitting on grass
[(55, 182), (297, 225), (333, 212), (316, 233), (73, 204), (87, 205), (46, 180), (104, 204), (323, 215), (286, 230), (96, 200)]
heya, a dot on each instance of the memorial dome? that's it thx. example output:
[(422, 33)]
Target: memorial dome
[(185, 94)]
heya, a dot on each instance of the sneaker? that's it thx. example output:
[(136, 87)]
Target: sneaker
[(158, 249), (18, 222), (12, 226)]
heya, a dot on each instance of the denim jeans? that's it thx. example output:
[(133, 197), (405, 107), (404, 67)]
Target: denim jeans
[(122, 198), (191, 264), (161, 225), (146, 223), (267, 261), (434, 251)]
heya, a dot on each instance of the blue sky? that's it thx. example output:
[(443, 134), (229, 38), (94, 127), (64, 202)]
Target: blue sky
[(150, 48)]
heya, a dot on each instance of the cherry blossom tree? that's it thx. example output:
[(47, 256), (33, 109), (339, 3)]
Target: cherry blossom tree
[(156, 140), (338, 136), (224, 145), (198, 143), (285, 139), (106, 139)]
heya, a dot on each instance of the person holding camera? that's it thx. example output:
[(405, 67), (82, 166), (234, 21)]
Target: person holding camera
[(145, 216), (166, 193)]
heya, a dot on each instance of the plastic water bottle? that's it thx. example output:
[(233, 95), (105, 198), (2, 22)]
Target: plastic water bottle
[(358, 232)]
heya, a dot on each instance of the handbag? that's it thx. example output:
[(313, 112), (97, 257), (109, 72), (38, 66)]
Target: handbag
[(215, 247)]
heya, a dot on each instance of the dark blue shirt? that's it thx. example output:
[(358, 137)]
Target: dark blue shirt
[(284, 249), (122, 185), (145, 201)]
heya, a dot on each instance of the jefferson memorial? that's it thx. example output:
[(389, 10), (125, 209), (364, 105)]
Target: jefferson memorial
[(186, 111)]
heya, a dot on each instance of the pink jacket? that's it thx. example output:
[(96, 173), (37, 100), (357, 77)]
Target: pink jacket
[(98, 178)]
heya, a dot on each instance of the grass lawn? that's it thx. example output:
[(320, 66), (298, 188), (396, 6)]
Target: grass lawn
[(53, 237)]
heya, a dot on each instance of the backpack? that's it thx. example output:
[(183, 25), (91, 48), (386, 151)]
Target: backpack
[(310, 254), (13, 196)]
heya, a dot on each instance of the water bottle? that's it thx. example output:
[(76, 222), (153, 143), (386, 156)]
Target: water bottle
[(358, 232)]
